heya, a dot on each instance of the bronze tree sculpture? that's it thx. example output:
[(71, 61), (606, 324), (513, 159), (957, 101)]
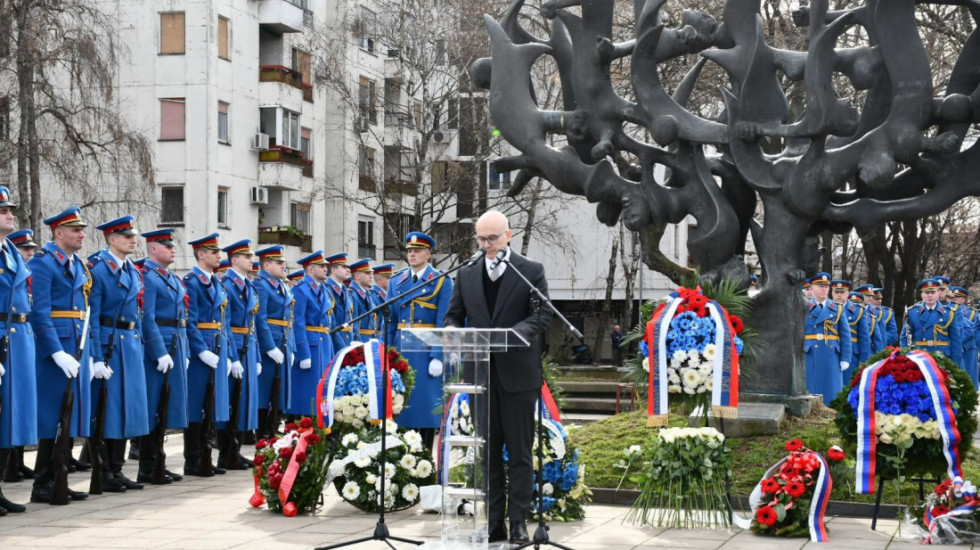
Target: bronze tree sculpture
[(899, 157)]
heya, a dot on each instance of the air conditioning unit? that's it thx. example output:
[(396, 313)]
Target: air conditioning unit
[(259, 195), (437, 137), (363, 124), (260, 142)]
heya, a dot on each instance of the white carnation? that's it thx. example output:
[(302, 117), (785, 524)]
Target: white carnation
[(679, 355), (408, 461), (548, 489), (423, 469), (691, 377), (709, 352), (351, 490), (410, 492)]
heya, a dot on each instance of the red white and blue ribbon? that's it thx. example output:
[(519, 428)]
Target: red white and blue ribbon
[(374, 357), (970, 506), (867, 438), (656, 335), (724, 392), (442, 450), (818, 504)]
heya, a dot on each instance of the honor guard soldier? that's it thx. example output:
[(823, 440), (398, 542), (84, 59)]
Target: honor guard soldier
[(117, 349), (379, 292), (18, 389), (827, 342), (314, 348), (61, 286), (211, 353), (858, 322), (888, 318), (807, 291), (254, 271), (223, 267), (423, 308), (968, 329), (295, 277), (338, 272), (167, 350), (360, 288), (273, 326), (876, 320), (932, 326), (243, 305), (16, 470), (943, 288)]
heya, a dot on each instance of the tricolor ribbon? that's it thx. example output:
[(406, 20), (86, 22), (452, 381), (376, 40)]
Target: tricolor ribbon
[(942, 405), (549, 402), (818, 504), (292, 470), (971, 505), (724, 392), (376, 365), (442, 450)]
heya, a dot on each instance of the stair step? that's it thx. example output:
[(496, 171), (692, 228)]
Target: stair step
[(594, 404), (591, 372), (591, 386), (581, 419)]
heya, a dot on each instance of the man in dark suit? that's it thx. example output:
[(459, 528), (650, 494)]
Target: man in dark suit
[(488, 294)]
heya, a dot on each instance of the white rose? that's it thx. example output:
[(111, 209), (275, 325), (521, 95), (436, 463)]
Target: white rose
[(885, 438), (398, 400), (361, 413), (348, 411), (548, 489)]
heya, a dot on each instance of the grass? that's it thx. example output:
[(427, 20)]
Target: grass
[(601, 444)]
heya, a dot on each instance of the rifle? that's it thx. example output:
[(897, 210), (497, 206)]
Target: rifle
[(233, 446), (96, 443), (160, 433), (204, 466), (59, 491), (273, 417), (908, 328)]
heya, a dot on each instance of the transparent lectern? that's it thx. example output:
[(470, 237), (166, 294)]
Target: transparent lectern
[(463, 468)]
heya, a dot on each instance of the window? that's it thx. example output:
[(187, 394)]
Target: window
[(367, 100), (304, 143), (222, 122), (223, 207), (299, 216), (453, 116), (365, 238), (223, 36), (172, 199), (290, 130), (366, 29), (472, 123), (172, 119), (464, 183), (365, 168), (302, 64), (496, 179), (439, 176), (440, 52), (396, 227), (172, 33)]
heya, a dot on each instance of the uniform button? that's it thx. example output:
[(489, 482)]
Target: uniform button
[(75, 308), (13, 329), (120, 285), (122, 318), (13, 309)]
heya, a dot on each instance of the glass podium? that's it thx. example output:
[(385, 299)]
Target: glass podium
[(462, 454)]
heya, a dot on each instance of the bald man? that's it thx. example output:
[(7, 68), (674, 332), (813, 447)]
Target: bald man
[(489, 294)]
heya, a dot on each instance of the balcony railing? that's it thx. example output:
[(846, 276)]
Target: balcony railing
[(286, 236), (281, 73), (365, 183), (278, 153), (308, 92), (401, 187)]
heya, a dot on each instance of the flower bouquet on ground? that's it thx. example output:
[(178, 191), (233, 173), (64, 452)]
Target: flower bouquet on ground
[(792, 497), (456, 462), (564, 492), (951, 512), (691, 348), (683, 483), (906, 414), (357, 467), (350, 389), (290, 469)]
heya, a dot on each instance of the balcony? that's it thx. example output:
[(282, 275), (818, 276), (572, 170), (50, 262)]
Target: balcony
[(281, 86), (282, 168), (401, 187), (286, 235), (365, 183), (280, 16), (400, 129), (308, 92)]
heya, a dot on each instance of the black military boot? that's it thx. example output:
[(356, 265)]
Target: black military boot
[(43, 473), (21, 467), (192, 449), (148, 461), (11, 474), (8, 456)]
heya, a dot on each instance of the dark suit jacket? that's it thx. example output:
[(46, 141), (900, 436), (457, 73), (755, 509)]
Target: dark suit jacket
[(519, 369)]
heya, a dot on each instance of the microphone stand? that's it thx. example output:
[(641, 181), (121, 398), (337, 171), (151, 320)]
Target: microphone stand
[(537, 299), (381, 532)]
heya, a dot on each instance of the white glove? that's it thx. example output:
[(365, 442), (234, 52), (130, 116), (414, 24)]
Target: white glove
[(3, 371), (208, 358), (435, 368), (165, 363), (68, 364), (276, 355), (258, 369), (844, 365), (101, 371), (306, 364), (187, 363), (236, 369)]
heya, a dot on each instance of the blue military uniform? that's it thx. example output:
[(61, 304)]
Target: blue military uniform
[(208, 329), (312, 311), (826, 344), (933, 330), (888, 320), (343, 309), (379, 295), (18, 387), (60, 285), (423, 308), (273, 326), (243, 305), (876, 326), (366, 328), (858, 325), (970, 330)]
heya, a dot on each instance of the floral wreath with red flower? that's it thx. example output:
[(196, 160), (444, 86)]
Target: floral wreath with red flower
[(296, 459)]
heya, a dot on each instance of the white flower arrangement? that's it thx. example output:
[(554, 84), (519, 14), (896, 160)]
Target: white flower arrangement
[(670, 435), (900, 429)]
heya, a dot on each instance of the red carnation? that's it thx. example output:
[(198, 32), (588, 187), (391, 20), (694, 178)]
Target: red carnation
[(306, 423), (300, 457), (291, 427), (766, 516), (697, 301), (259, 459), (794, 445), (899, 376), (770, 486), (939, 510), (261, 444), (835, 453), (273, 440), (314, 439), (943, 487), (795, 489), (275, 482), (286, 453), (737, 325)]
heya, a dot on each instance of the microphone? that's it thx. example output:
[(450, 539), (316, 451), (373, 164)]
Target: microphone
[(475, 257), (501, 254)]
